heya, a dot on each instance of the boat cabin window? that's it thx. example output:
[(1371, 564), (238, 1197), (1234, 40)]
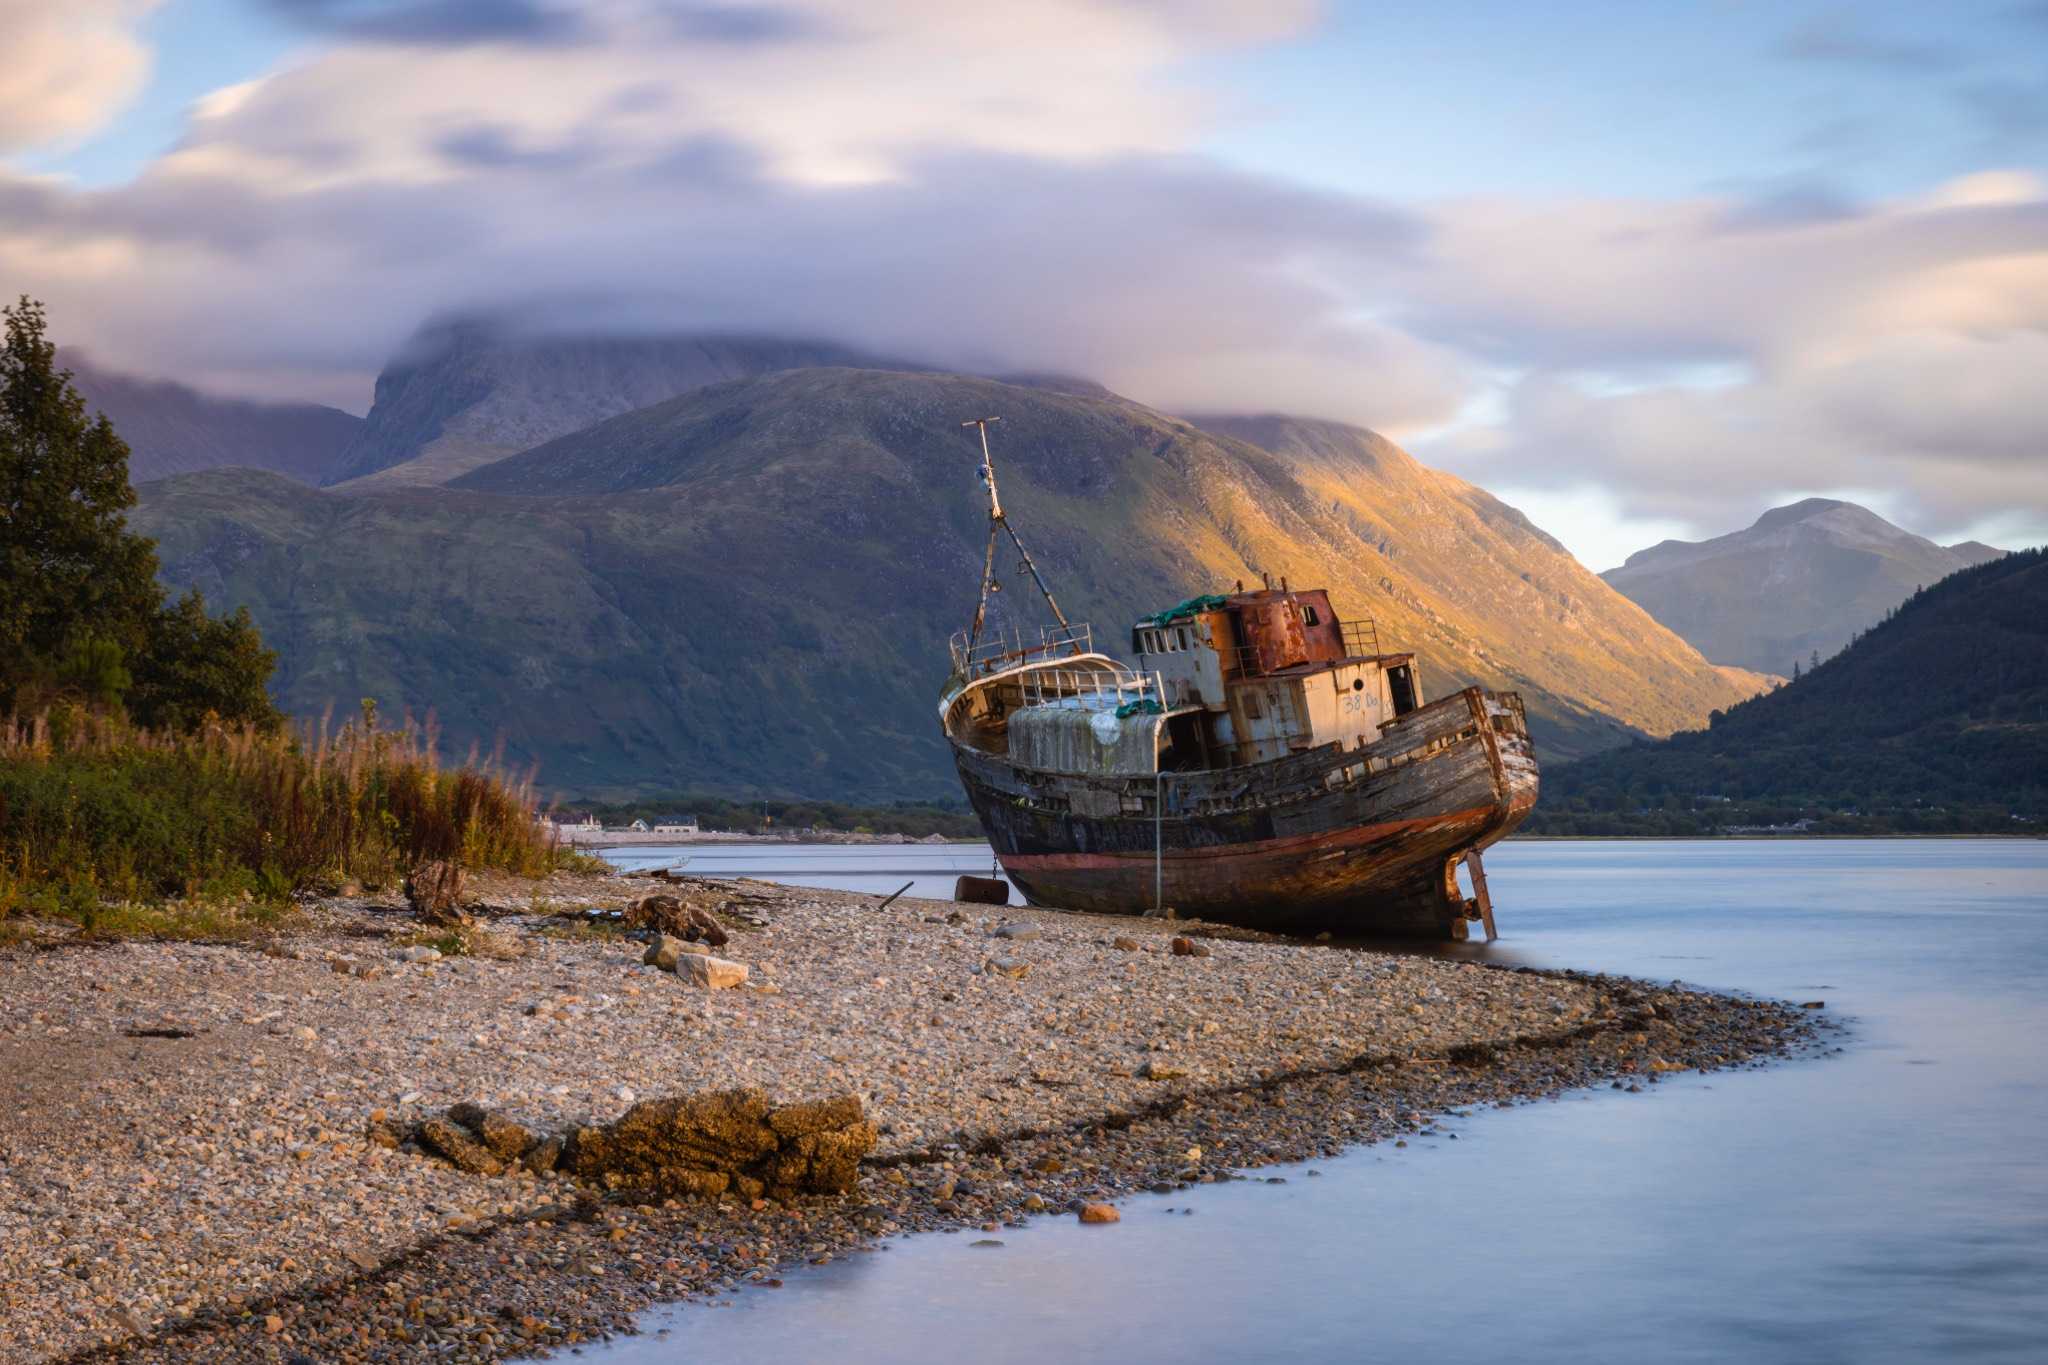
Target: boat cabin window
[(1309, 617), (1401, 682), (1251, 706), (1182, 634)]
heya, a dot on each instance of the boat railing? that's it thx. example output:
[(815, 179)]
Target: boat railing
[(1107, 688), (998, 651)]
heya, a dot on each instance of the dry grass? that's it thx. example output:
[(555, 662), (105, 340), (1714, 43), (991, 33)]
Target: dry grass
[(96, 814)]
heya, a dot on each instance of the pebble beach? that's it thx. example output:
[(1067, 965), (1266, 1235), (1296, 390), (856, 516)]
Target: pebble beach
[(188, 1170)]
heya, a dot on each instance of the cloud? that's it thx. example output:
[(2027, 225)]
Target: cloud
[(2013, 113), (1694, 371), (1840, 39), (1014, 190), (714, 23), (436, 21), (68, 66)]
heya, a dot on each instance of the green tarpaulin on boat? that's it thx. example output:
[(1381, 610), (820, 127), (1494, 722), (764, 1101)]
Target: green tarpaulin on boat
[(1143, 706), (1194, 606)]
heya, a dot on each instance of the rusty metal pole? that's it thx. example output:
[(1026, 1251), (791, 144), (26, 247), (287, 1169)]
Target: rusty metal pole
[(988, 468), (995, 519), (1159, 841), (988, 574)]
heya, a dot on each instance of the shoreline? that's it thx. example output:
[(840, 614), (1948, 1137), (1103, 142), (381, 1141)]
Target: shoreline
[(738, 840), (990, 1112)]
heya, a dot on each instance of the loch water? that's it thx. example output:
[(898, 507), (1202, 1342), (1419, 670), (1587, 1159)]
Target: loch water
[(1882, 1201)]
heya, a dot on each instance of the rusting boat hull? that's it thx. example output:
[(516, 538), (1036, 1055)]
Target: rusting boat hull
[(1365, 841)]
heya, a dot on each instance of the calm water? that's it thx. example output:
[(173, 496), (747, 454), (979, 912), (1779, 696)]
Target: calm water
[(880, 868), (1886, 1204)]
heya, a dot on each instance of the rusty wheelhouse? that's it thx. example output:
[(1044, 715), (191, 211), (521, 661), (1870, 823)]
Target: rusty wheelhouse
[(1265, 763)]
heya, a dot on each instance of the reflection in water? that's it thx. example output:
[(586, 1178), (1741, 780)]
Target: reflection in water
[(1886, 1204)]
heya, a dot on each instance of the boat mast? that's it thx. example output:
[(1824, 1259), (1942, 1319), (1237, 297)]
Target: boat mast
[(996, 521)]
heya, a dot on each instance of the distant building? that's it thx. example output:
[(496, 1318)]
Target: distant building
[(583, 823), (676, 824), (638, 827)]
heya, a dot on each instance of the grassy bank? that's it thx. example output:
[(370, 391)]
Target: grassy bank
[(98, 816)]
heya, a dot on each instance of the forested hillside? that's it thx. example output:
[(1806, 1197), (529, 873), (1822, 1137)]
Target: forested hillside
[(1935, 720)]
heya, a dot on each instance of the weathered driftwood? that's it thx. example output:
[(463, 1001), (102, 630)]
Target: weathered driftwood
[(677, 918), (434, 890)]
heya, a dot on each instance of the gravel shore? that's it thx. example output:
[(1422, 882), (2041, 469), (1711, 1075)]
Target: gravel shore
[(184, 1169)]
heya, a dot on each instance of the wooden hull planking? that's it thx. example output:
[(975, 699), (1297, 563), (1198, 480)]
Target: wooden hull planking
[(1363, 842)]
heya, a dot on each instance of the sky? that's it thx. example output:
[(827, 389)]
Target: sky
[(1643, 270)]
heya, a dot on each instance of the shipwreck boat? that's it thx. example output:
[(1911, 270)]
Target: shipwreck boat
[(1265, 763)]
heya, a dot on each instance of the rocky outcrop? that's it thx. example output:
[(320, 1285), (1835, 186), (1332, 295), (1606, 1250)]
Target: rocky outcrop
[(720, 1142)]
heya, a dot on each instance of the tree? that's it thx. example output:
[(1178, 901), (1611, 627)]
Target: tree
[(194, 664), (70, 570), (81, 613)]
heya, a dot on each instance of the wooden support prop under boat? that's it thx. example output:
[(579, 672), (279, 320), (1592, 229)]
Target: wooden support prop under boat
[(1479, 893)]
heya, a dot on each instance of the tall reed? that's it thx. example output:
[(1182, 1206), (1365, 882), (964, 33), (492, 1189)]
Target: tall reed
[(93, 807)]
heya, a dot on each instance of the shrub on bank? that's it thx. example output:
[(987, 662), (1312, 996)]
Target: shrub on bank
[(94, 810)]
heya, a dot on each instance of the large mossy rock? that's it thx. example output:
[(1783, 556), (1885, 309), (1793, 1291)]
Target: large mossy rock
[(726, 1141), (716, 1143)]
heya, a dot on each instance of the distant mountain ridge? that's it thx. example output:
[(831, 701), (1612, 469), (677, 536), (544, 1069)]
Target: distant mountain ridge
[(1935, 720), (467, 392), (1803, 579), (750, 586), (171, 429)]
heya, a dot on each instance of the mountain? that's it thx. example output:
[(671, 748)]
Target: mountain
[(1801, 581), (1974, 552), (750, 588), (1935, 720), (468, 392), (171, 429)]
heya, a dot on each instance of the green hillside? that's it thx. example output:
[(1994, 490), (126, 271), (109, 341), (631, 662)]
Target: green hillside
[(1936, 720), (749, 589)]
